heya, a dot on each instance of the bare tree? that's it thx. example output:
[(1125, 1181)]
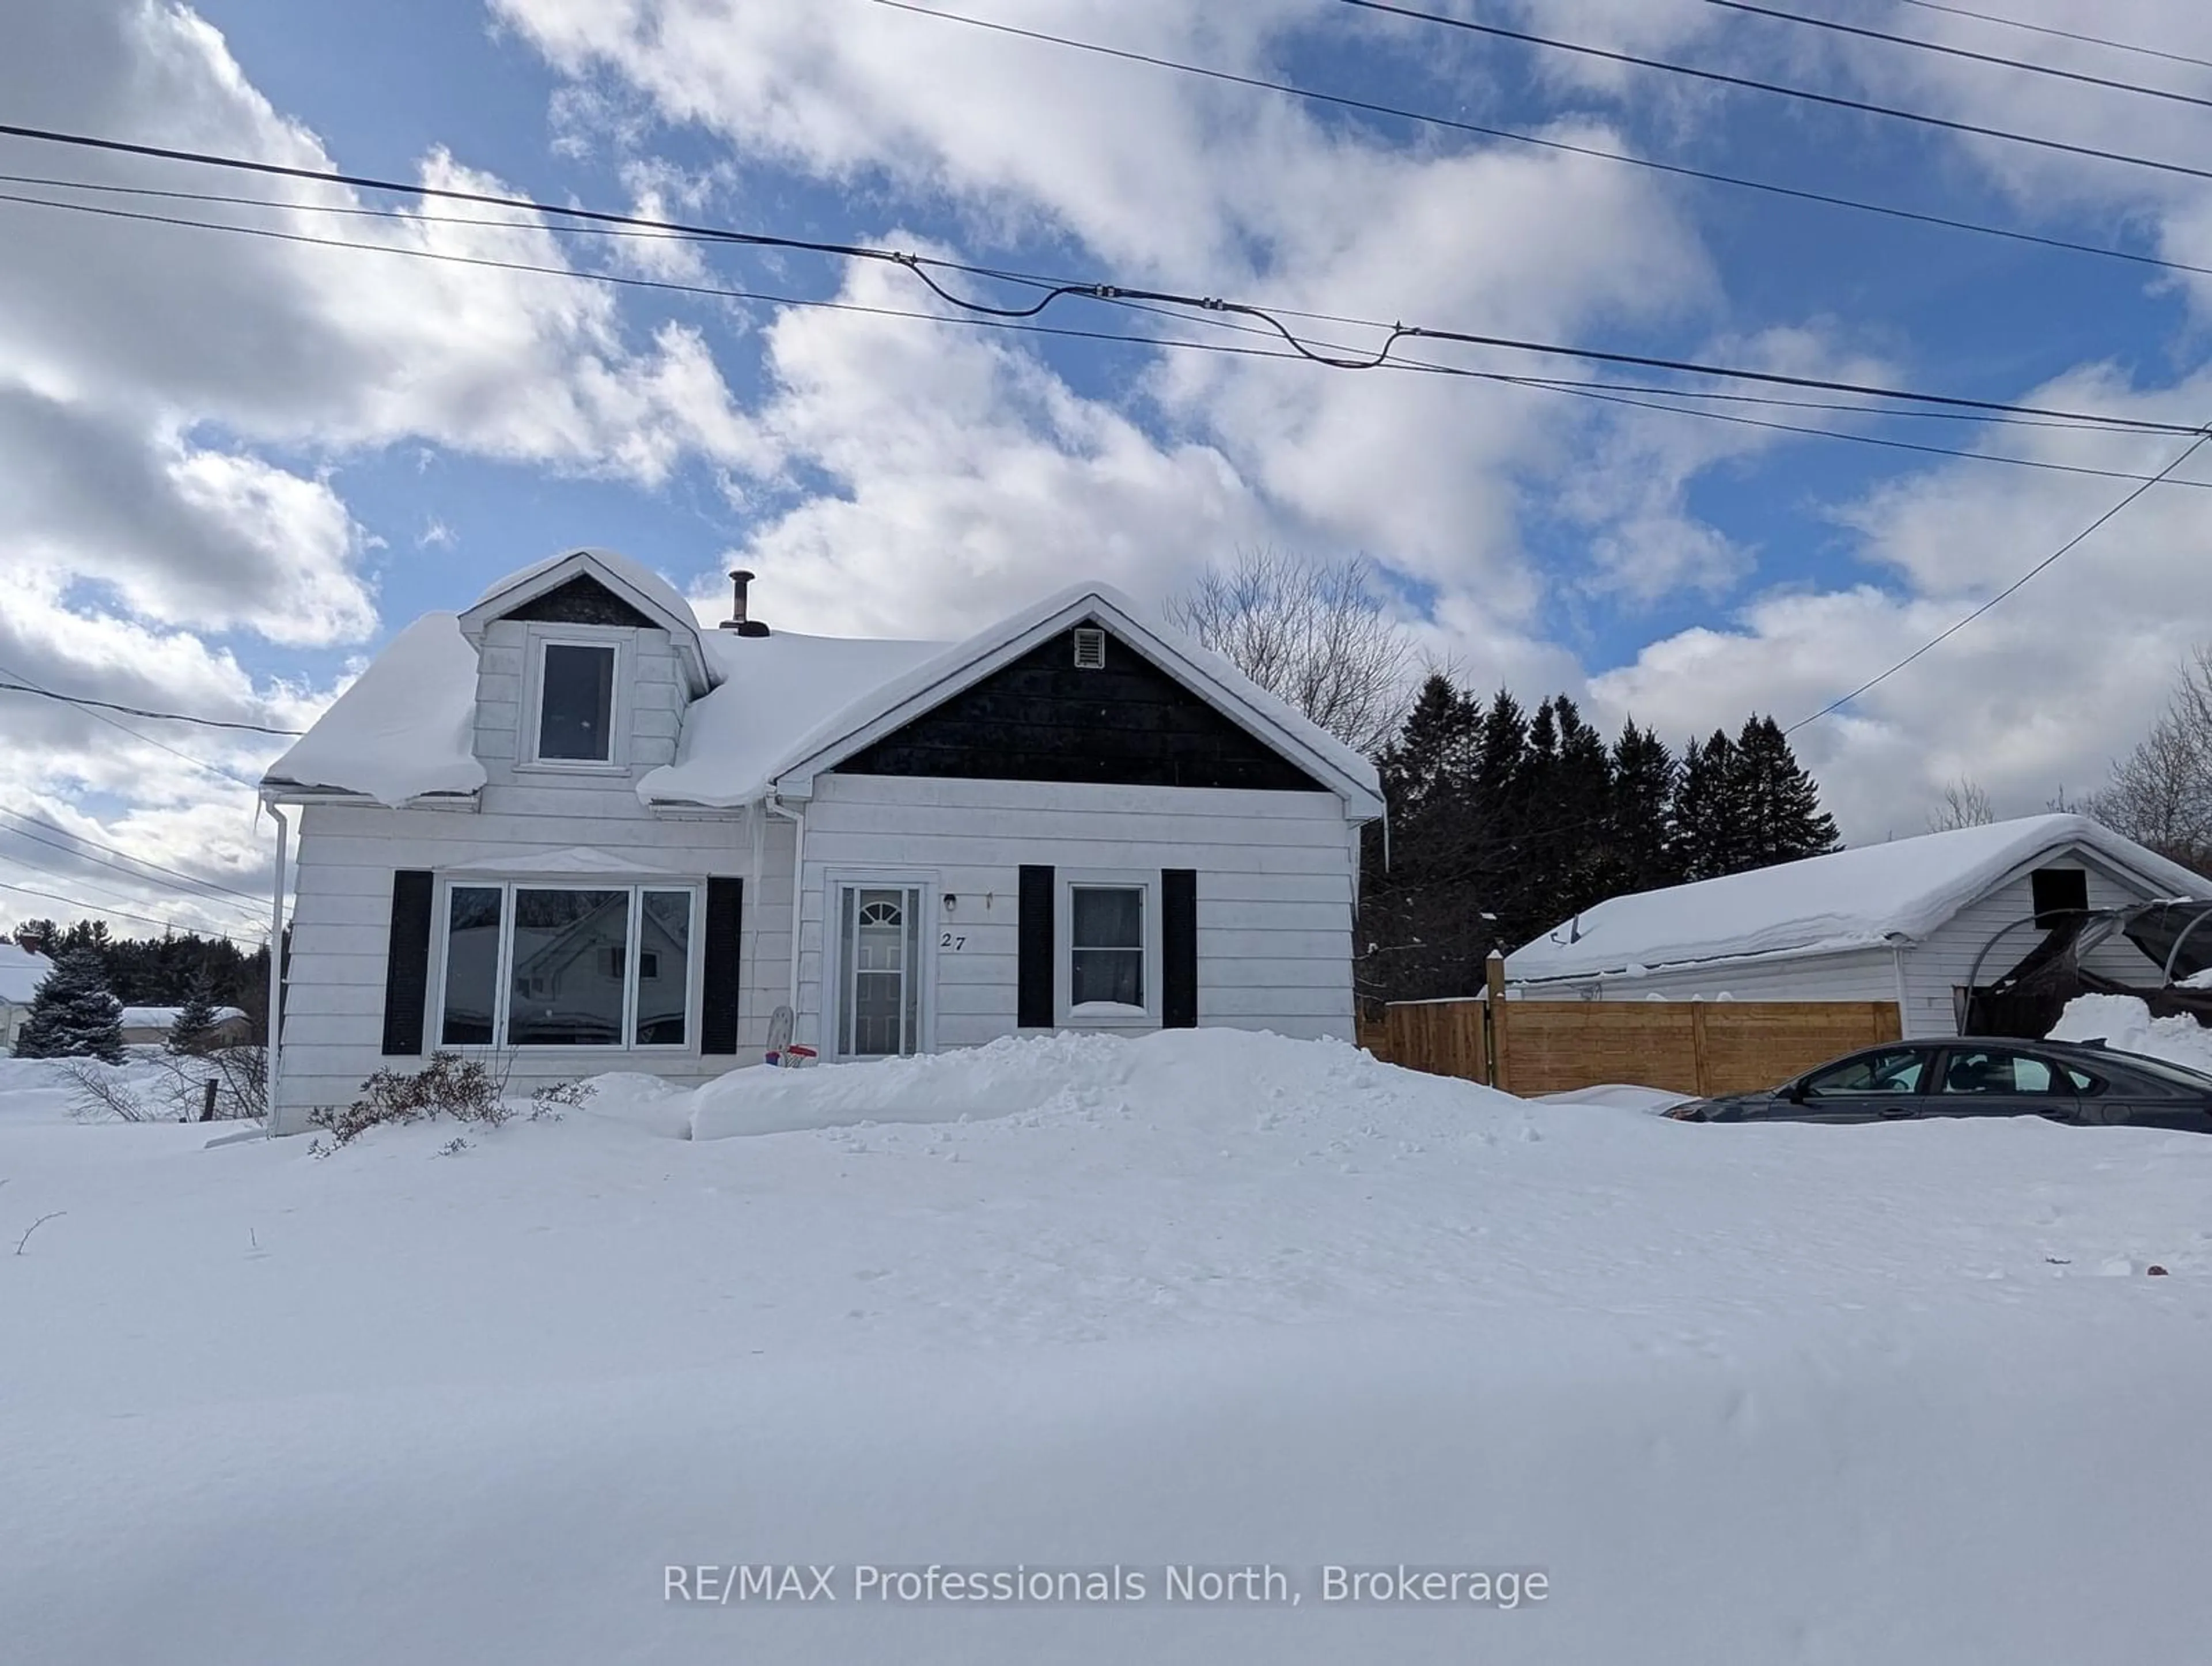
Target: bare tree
[(1964, 804), (2160, 793), (1314, 634)]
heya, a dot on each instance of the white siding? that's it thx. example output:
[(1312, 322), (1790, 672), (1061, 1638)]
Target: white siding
[(1942, 963), (1849, 974), (1275, 876)]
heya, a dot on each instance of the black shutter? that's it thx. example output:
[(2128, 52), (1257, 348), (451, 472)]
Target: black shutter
[(718, 973), (1033, 944), (407, 963), (1179, 948)]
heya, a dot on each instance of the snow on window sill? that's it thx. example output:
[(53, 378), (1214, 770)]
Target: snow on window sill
[(1109, 1011)]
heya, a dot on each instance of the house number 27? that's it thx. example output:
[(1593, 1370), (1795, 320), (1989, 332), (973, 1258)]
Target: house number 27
[(952, 942)]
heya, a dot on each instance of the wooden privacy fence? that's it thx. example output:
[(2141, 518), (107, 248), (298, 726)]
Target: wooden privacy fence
[(1701, 1047)]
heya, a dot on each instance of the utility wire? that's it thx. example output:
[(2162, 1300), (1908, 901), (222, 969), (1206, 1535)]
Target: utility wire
[(141, 711), (1829, 199), (2062, 34), (173, 880), (124, 914), (2050, 560), (1611, 392), (1833, 100), (1200, 305), (150, 740), (1864, 33), (418, 217), (19, 860)]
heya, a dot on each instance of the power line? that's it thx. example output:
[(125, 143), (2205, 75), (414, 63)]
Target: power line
[(2062, 34), (150, 740), (21, 861), (2048, 561), (1947, 51), (181, 887), (1027, 279), (1679, 170), (93, 844), (123, 914), (1200, 305), (141, 711), (1611, 392), (1833, 100)]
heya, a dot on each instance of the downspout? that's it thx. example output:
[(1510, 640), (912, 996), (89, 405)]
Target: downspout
[(275, 1048), (775, 806)]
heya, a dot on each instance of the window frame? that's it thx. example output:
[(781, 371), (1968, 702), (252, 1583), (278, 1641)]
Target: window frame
[(503, 976), (619, 644), (1068, 882), (1927, 1058)]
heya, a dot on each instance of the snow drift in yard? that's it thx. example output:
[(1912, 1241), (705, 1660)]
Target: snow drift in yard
[(2125, 1022), (1748, 1395), (1194, 1076), (406, 727), (1859, 898)]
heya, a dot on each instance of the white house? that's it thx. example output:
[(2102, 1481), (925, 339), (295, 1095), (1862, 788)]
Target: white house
[(570, 826), (1904, 922), (21, 972)]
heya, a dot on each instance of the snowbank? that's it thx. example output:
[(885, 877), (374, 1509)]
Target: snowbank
[(1195, 1076), (2125, 1023), (406, 727), (1746, 1395)]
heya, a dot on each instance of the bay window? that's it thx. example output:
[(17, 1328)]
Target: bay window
[(566, 965)]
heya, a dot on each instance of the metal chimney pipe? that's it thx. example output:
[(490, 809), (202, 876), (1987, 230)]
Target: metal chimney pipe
[(739, 578)]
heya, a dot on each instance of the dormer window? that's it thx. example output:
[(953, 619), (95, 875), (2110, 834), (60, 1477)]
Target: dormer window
[(575, 703)]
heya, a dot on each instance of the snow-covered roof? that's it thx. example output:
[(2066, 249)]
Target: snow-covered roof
[(770, 690), (945, 673), (777, 704), (21, 972), (649, 585), (165, 1017), (406, 728), (1873, 896)]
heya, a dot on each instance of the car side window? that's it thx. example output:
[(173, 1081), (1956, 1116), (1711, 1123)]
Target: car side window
[(1897, 1070), (2082, 1082), (1987, 1071)]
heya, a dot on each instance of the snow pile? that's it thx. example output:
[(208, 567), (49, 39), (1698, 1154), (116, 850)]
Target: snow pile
[(1194, 1076), (1745, 1394), (1859, 898), (2125, 1022), (406, 728)]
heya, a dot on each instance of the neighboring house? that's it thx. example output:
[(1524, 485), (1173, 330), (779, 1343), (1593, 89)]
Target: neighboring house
[(1904, 922), (21, 972), (149, 1026), (571, 827)]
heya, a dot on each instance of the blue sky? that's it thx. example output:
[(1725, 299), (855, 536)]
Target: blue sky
[(325, 444)]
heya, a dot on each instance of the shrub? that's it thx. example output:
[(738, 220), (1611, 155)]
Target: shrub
[(465, 1089)]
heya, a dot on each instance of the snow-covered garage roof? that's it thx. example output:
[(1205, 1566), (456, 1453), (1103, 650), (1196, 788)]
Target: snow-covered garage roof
[(1875, 895)]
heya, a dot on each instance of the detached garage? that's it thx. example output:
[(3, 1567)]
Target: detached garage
[(1919, 921)]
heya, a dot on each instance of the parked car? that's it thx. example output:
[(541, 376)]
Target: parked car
[(2077, 1082)]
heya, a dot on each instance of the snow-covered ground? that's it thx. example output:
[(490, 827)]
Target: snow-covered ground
[(1789, 1396)]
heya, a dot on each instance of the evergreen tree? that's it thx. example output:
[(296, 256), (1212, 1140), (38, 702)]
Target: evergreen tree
[(1779, 804), (194, 1029), (72, 1014), (1704, 833), (1573, 859), (1640, 854)]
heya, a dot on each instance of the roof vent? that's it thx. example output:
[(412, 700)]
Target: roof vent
[(737, 622), (1089, 650)]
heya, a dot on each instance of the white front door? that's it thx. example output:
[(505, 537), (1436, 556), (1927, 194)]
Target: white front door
[(879, 992)]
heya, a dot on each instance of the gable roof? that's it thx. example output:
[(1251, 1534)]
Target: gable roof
[(889, 707), (21, 972), (1874, 896), (629, 580)]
